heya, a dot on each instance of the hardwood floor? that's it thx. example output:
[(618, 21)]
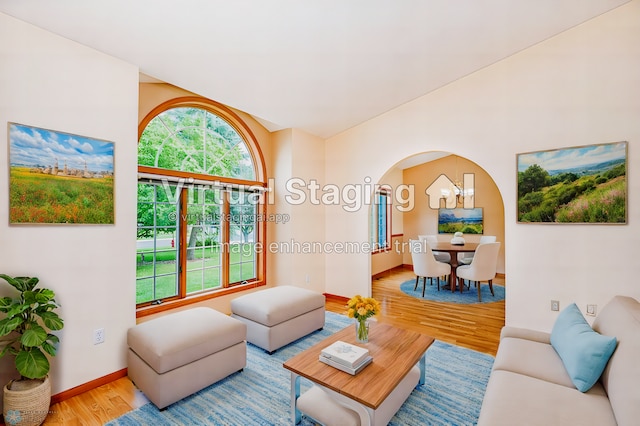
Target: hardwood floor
[(98, 406), (475, 327)]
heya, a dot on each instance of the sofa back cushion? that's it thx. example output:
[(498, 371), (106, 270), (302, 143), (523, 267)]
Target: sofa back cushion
[(621, 318)]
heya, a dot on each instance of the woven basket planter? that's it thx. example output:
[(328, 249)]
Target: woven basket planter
[(27, 404)]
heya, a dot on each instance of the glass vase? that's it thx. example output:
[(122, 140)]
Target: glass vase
[(362, 330)]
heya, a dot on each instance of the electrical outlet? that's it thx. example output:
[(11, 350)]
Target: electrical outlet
[(591, 310), (555, 305), (98, 336)]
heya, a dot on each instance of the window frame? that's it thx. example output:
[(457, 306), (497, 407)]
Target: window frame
[(234, 120)]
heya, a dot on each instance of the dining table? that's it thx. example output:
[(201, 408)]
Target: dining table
[(453, 250)]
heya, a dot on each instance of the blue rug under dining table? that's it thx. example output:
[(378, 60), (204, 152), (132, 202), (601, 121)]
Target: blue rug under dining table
[(456, 380), (468, 296)]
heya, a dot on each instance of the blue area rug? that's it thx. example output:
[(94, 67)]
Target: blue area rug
[(456, 379), (467, 296)]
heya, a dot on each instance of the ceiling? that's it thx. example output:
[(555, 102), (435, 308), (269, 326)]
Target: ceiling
[(322, 66)]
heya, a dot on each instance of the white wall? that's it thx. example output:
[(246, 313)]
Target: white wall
[(50, 82), (296, 247), (578, 88), (281, 144)]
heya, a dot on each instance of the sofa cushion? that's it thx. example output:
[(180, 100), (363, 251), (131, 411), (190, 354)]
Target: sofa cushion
[(516, 399), (525, 333), (532, 359), (584, 352)]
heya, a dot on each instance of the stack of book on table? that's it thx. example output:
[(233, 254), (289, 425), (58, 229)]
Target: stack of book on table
[(346, 357)]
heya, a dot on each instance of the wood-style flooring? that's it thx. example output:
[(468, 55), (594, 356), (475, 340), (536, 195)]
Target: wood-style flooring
[(475, 327)]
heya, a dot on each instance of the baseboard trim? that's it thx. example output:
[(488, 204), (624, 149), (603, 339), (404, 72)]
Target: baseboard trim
[(70, 393), (336, 298), (386, 272)]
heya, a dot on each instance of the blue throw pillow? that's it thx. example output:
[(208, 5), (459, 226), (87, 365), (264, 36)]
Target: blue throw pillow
[(584, 352)]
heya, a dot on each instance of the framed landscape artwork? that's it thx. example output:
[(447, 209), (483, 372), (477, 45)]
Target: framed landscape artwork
[(583, 184), (59, 178), (467, 221)]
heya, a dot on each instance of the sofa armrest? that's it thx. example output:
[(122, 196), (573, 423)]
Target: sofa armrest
[(525, 333)]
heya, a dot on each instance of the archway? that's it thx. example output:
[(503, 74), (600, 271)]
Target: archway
[(410, 218), (475, 326)]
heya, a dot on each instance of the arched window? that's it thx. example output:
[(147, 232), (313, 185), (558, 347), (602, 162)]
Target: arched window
[(200, 203)]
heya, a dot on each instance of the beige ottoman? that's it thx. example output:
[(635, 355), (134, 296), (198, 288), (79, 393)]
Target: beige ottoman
[(277, 316), (178, 354)]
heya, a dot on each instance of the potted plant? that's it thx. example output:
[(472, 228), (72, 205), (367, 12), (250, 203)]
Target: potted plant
[(24, 332)]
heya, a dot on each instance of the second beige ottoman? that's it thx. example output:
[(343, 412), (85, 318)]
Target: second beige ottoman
[(279, 315)]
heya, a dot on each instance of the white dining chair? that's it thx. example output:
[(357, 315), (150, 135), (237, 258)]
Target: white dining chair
[(425, 264), (465, 258), (483, 267), (439, 255)]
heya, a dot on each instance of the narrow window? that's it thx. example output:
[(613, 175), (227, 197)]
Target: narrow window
[(381, 221)]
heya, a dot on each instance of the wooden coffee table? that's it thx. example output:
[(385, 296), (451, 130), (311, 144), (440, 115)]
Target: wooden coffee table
[(394, 350)]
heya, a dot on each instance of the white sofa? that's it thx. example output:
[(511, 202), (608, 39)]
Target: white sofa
[(529, 384)]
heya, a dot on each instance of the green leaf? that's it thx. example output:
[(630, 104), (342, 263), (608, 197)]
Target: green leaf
[(49, 348), (9, 324), (32, 363), (44, 307), (9, 347), (29, 297), (12, 281), (21, 283), (52, 338), (33, 336), (52, 320), (28, 282), (17, 309), (44, 295), (5, 302)]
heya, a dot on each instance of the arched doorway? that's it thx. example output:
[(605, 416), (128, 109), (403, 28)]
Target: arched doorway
[(411, 214), (468, 325)]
